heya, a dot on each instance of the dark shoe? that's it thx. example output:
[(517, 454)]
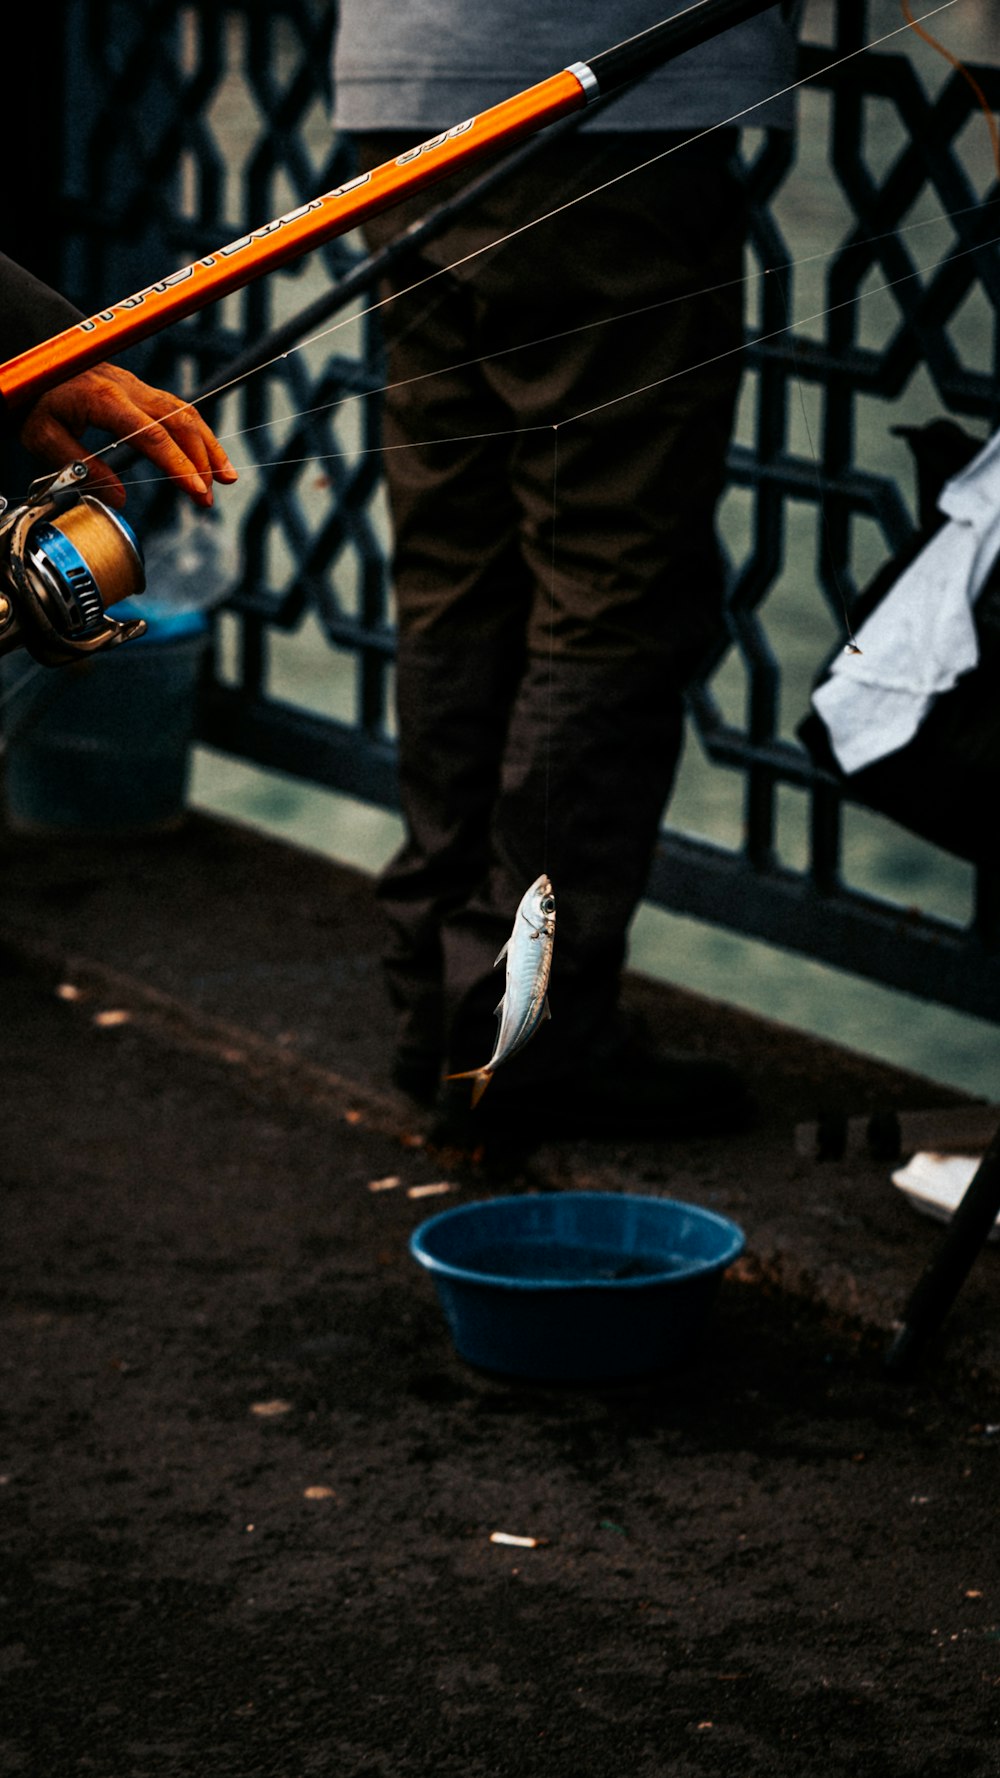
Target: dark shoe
[(456, 1122), (633, 1093), (497, 1140), (648, 1096), (419, 1077)]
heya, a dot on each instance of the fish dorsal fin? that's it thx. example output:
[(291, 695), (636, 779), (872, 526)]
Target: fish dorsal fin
[(546, 1009)]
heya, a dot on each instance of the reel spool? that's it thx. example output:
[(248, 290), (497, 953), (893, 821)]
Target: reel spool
[(64, 558)]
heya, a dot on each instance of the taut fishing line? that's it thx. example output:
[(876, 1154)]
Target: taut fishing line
[(552, 627), (584, 413), (748, 279), (523, 228)]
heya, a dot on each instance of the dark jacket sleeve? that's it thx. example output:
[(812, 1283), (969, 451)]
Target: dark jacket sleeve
[(29, 311)]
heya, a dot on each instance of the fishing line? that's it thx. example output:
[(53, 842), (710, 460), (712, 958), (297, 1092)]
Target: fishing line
[(524, 227), (665, 302), (585, 413), (548, 339), (750, 278), (776, 333), (551, 668)]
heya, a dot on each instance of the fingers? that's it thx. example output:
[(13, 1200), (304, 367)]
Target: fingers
[(165, 429), (172, 434), (45, 436)]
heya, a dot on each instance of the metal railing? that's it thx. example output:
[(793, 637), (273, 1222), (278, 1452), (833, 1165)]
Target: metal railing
[(170, 127)]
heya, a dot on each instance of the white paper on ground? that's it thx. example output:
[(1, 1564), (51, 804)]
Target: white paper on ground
[(936, 1184)]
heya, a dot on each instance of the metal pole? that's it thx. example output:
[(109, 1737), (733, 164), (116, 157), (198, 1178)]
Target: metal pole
[(943, 1278)]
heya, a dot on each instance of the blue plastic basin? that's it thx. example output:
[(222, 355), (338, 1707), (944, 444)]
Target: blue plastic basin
[(104, 747), (577, 1285)]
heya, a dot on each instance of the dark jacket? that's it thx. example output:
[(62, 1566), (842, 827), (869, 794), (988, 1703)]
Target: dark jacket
[(29, 310)]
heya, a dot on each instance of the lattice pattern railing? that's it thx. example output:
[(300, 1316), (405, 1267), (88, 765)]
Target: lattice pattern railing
[(191, 122), (748, 888)]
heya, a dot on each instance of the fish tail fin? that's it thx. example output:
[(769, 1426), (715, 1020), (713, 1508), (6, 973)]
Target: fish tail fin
[(480, 1078)]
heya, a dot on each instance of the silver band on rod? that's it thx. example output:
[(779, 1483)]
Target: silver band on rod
[(588, 80)]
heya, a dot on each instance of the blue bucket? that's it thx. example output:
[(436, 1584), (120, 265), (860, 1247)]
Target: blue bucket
[(104, 747), (577, 1286)]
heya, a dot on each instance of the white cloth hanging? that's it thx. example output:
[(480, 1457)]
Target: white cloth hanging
[(921, 638)]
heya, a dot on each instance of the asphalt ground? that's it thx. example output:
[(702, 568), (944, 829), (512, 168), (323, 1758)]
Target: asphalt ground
[(248, 1486)]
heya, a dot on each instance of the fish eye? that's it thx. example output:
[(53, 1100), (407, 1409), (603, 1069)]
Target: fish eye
[(548, 904)]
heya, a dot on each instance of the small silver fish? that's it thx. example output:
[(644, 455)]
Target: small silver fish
[(525, 1003)]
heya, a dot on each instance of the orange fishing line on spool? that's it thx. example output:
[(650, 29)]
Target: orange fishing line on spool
[(98, 537)]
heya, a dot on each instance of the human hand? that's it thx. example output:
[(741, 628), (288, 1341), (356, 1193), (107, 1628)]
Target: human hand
[(170, 433)]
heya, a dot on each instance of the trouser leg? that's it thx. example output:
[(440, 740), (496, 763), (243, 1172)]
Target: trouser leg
[(587, 769), (618, 533), (613, 608), (453, 700), (463, 595)]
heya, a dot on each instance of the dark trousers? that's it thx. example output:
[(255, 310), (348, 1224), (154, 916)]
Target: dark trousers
[(554, 588)]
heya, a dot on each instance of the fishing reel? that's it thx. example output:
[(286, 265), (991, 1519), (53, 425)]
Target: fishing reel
[(65, 558)]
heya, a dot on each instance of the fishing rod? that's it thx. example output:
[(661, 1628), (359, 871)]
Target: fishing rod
[(322, 219), (64, 556), (367, 272)]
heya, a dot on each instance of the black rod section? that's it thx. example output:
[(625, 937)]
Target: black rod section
[(369, 270), (639, 55), (625, 65)]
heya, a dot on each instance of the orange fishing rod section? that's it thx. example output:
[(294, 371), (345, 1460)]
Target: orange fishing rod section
[(24, 378)]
